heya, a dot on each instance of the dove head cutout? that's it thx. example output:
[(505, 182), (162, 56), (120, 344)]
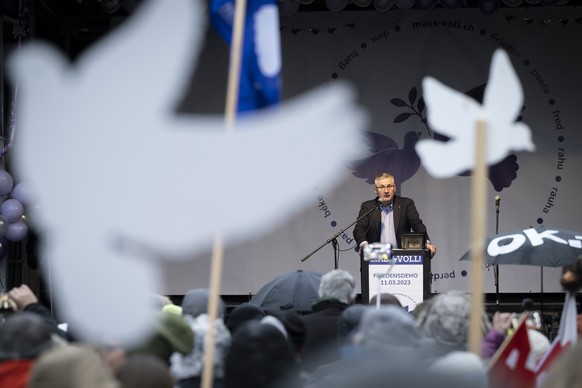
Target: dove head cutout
[(455, 115), (122, 181)]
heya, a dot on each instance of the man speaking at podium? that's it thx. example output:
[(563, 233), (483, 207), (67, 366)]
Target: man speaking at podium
[(391, 216)]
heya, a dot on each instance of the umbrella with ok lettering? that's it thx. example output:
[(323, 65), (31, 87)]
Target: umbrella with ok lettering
[(541, 246)]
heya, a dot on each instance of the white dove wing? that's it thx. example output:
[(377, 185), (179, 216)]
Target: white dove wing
[(455, 115), (112, 162), (502, 103), (240, 184), (503, 96), (449, 112)]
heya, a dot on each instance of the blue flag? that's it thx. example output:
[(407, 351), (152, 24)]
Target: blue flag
[(261, 57)]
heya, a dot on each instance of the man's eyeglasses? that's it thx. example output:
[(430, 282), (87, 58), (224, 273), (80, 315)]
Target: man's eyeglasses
[(382, 188)]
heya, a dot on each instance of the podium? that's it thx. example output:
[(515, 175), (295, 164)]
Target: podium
[(408, 280)]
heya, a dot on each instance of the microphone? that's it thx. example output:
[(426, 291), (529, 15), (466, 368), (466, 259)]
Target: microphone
[(497, 200)]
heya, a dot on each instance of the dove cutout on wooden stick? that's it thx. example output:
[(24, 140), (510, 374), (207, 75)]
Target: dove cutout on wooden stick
[(455, 115), (111, 162)]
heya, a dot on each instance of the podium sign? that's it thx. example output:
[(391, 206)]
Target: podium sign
[(406, 275)]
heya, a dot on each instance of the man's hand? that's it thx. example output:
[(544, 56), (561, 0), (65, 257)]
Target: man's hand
[(431, 247), (502, 321), (22, 296)]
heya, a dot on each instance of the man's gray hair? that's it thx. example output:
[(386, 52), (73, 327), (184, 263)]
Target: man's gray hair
[(338, 284), (447, 319)]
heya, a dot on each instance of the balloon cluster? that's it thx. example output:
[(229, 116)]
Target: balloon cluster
[(12, 219)]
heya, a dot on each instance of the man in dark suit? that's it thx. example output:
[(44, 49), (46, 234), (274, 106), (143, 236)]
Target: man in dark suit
[(392, 216), (389, 217)]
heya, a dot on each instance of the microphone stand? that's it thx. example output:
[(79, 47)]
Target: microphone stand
[(496, 266), (333, 239)]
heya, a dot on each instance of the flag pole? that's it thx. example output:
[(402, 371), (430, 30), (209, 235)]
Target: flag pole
[(478, 226), (218, 248)]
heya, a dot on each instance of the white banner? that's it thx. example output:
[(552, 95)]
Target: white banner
[(402, 276)]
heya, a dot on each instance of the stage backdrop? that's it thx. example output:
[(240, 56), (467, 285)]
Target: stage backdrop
[(386, 56)]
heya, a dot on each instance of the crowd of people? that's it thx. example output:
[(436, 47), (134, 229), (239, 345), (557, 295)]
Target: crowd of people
[(337, 344)]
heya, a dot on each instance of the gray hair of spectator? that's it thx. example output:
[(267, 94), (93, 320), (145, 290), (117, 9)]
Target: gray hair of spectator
[(338, 284), (447, 318), (24, 336), (388, 326)]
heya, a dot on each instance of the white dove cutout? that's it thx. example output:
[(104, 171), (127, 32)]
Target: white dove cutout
[(111, 162), (455, 115)]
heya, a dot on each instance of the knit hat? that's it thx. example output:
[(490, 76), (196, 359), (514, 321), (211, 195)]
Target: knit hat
[(173, 334), (349, 319), (243, 313), (71, 366), (195, 302), (539, 343)]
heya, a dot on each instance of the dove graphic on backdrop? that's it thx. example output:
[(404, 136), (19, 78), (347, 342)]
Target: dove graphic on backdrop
[(403, 162), (114, 168), (455, 115)]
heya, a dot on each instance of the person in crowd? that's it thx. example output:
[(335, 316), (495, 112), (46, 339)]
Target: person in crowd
[(494, 338), (243, 313), (260, 357), (384, 353), (445, 324), (295, 328), (385, 299), (348, 322), (26, 300), (337, 291), (172, 334), (23, 338), (144, 371), (187, 369), (392, 215), (72, 366), (444, 327), (539, 344)]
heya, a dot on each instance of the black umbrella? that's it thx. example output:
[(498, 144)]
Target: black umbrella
[(296, 290), (542, 246)]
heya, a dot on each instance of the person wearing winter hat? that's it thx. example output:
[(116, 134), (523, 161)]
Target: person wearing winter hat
[(172, 334), (243, 313), (23, 338), (195, 302), (187, 368), (72, 366)]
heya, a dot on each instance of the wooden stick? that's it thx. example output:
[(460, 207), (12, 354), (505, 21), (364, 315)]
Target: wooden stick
[(478, 227), (218, 249), (234, 75), (210, 345)]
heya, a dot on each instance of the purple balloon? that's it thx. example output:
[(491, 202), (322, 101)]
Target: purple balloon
[(22, 192), (16, 231), (3, 247), (12, 210), (6, 182)]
